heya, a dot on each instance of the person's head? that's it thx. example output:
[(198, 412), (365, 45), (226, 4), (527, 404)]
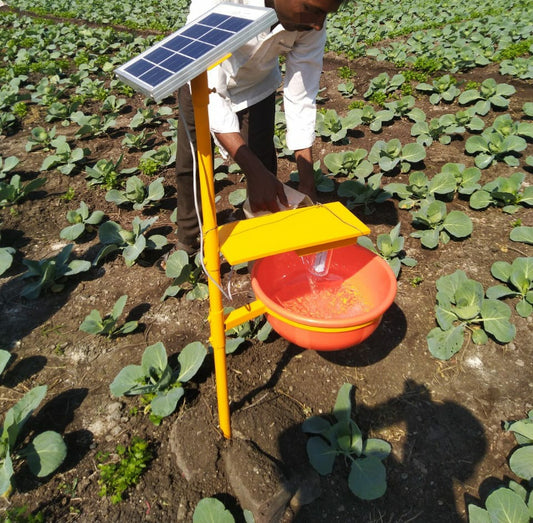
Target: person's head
[(303, 15)]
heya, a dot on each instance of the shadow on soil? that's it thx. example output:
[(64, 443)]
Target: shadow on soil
[(441, 444), (376, 347)]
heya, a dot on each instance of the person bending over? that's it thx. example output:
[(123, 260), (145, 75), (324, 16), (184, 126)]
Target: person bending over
[(242, 107)]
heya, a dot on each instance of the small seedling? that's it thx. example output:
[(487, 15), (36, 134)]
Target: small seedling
[(416, 281), (157, 380), (107, 326), (342, 437), (124, 470), (345, 73), (68, 195)]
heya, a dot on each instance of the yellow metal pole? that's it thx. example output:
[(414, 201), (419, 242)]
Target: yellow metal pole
[(200, 97)]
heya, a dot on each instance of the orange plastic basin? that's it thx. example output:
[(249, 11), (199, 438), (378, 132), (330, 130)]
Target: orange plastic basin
[(331, 312)]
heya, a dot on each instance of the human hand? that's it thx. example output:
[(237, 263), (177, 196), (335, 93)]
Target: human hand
[(265, 192)]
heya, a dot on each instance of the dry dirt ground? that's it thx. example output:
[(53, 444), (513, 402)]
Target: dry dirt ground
[(443, 419)]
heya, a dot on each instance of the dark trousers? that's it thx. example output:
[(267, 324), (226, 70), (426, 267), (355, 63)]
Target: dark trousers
[(257, 129)]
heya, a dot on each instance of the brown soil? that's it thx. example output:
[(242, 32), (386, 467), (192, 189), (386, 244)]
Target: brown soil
[(443, 419)]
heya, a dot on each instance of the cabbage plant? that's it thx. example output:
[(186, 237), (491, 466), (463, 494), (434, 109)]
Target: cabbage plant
[(137, 194), (155, 379), (44, 452), (507, 193), (130, 243), (490, 94), (80, 219), (517, 278), (436, 225), (341, 436), (352, 164), (421, 188), (390, 248), (461, 305), (392, 154), (7, 165), (331, 126), (443, 89)]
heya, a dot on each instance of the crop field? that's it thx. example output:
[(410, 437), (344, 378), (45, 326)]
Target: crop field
[(108, 405)]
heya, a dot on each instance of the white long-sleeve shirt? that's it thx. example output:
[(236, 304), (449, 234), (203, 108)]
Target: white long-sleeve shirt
[(252, 73)]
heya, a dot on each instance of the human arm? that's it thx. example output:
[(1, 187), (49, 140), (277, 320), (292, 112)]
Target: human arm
[(264, 189), (302, 79)]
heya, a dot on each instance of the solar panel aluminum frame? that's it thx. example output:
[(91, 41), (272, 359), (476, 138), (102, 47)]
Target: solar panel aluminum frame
[(262, 19)]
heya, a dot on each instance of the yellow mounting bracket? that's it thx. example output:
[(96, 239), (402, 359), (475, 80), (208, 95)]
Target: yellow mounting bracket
[(304, 230)]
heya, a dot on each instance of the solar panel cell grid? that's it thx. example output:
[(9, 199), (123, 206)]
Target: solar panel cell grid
[(216, 37), (235, 24), (177, 56), (155, 76), (196, 49), (214, 19)]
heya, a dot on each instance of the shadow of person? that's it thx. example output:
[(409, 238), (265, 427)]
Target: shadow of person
[(435, 447), (57, 414)]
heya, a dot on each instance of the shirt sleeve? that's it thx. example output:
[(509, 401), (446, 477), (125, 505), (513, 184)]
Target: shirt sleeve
[(222, 117), (302, 81)]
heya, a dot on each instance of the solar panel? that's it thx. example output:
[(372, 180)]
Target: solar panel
[(183, 55)]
